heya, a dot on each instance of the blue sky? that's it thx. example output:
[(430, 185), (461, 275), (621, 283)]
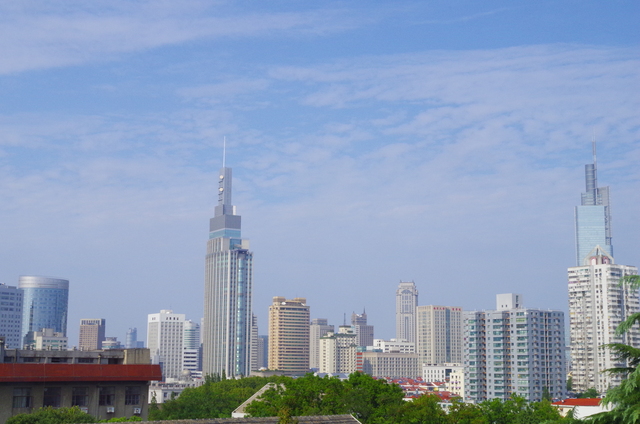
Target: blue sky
[(371, 142)]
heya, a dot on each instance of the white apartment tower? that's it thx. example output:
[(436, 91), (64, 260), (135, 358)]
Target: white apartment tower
[(338, 351), (439, 334), (406, 303), (513, 350), (165, 340), (317, 329), (597, 305)]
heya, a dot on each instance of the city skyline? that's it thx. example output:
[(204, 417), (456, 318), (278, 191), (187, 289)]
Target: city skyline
[(402, 129)]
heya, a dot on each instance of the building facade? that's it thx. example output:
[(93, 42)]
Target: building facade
[(227, 295), (289, 335), (45, 305), (11, 299), (165, 340), (406, 303), (364, 332), (598, 303), (338, 351), (393, 345), (318, 328), (388, 365), (439, 334), (513, 350), (91, 333), (47, 339)]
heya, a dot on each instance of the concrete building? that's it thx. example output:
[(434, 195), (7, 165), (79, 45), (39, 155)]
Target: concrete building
[(338, 351), (47, 339), (406, 303), (513, 350), (254, 343), (318, 328), (452, 374), (105, 384), (165, 339), (393, 345), (263, 351), (11, 299), (227, 295), (289, 335), (439, 334), (91, 333), (364, 332), (45, 305), (191, 353), (111, 343), (388, 365), (597, 305)]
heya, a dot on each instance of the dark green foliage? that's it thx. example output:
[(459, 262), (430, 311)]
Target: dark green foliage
[(121, 420), (569, 384), (51, 415), (590, 393)]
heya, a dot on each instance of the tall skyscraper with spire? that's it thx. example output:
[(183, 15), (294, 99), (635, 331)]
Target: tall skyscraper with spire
[(593, 216), (227, 290)]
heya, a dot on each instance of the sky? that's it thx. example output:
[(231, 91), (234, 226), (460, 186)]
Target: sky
[(440, 142)]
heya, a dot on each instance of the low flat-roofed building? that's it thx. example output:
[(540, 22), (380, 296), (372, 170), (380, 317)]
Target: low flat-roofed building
[(391, 365)]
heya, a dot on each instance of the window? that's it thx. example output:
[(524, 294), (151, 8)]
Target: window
[(80, 396), (52, 396), (107, 395), (132, 395), (22, 397)]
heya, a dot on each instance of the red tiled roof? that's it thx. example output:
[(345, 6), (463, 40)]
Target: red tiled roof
[(578, 402)]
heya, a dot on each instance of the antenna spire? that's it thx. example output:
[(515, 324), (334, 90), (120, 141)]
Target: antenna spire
[(224, 151)]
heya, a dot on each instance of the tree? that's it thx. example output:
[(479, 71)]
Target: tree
[(50, 415), (569, 383), (590, 393)]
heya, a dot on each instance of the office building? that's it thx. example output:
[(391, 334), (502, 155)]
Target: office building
[(263, 352), (439, 334), (406, 303), (513, 350), (165, 340), (318, 328), (393, 345), (597, 305), (338, 351), (110, 343), (227, 293), (91, 333), (254, 343), (289, 336), (131, 339), (388, 365), (47, 339), (11, 315), (593, 216), (363, 331), (45, 305)]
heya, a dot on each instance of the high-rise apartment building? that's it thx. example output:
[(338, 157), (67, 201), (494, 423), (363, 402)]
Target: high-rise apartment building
[(165, 340), (593, 216), (406, 302), (45, 305), (364, 332), (11, 316), (191, 346), (318, 328), (91, 333), (289, 335), (254, 343), (598, 303), (439, 334), (263, 351), (227, 290), (338, 351), (513, 350)]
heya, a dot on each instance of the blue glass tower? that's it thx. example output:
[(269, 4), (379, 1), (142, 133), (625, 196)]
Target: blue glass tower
[(227, 290), (593, 216), (45, 305)]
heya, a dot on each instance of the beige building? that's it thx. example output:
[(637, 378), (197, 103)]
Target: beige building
[(451, 374), (338, 351), (389, 365), (47, 339), (439, 334), (289, 335), (92, 333), (318, 328)]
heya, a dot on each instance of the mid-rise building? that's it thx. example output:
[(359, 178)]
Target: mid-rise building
[(227, 295), (91, 333), (514, 350), (131, 339), (110, 343), (598, 303), (45, 305), (318, 328), (338, 351), (289, 335), (263, 351), (393, 345), (439, 334), (11, 315), (388, 365), (406, 303), (364, 332), (47, 339), (165, 339)]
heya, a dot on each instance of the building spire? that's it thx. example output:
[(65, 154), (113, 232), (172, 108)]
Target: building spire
[(224, 151)]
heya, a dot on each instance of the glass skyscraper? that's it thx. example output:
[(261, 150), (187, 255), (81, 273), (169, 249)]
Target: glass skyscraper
[(593, 216), (45, 305), (227, 290)]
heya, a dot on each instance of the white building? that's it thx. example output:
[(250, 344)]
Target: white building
[(318, 328), (406, 303), (394, 345), (439, 334), (597, 305), (165, 339), (47, 339), (191, 347), (514, 350), (452, 374), (388, 365), (338, 351)]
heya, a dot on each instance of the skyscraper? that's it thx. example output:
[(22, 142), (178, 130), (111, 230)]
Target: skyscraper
[(439, 334), (406, 302), (11, 316), (289, 335), (227, 290), (45, 305), (364, 332), (91, 333), (165, 340), (593, 216), (131, 340), (318, 328)]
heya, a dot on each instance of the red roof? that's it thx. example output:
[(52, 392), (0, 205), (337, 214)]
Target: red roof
[(579, 402), (13, 372)]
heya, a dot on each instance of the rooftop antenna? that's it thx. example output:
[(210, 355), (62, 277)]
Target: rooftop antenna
[(344, 321), (224, 151), (593, 146)]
